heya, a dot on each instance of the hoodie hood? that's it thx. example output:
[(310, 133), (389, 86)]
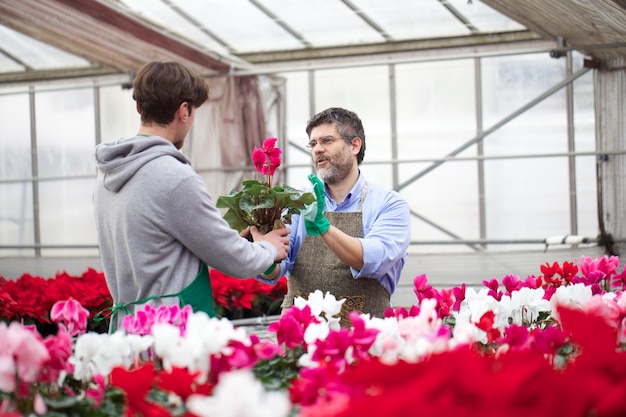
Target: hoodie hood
[(119, 160)]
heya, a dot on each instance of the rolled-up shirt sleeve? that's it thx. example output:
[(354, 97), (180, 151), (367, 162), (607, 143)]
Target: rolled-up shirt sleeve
[(386, 237)]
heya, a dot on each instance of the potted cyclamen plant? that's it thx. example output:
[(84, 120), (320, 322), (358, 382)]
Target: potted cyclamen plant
[(259, 203)]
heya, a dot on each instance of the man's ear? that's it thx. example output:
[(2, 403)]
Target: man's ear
[(184, 111), (357, 143)]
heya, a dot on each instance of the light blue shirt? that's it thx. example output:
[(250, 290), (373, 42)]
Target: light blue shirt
[(386, 233)]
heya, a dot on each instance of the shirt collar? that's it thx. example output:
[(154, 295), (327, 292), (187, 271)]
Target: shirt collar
[(355, 192)]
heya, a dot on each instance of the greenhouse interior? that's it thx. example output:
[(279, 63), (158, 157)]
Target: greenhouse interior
[(500, 123)]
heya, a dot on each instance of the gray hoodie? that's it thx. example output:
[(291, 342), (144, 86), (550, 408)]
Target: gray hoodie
[(156, 222)]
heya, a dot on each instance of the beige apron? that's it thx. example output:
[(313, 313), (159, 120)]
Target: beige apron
[(317, 268)]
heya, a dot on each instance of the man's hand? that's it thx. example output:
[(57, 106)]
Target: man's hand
[(277, 237), (314, 221)]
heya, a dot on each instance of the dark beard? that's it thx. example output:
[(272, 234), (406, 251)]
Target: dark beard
[(336, 172)]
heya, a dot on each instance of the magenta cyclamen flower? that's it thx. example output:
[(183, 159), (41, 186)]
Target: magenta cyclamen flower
[(141, 323), (459, 296), (423, 289), (290, 327), (267, 158), (60, 350), (71, 314)]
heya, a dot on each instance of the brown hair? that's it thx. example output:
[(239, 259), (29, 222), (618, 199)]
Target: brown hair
[(159, 88)]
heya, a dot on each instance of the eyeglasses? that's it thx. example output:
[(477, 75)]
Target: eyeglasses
[(324, 141)]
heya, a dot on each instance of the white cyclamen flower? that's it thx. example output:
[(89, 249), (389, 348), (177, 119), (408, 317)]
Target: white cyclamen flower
[(389, 342), (240, 394), (322, 303), (204, 337), (571, 295), (99, 353), (527, 303)]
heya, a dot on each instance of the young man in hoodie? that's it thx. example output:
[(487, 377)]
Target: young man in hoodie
[(158, 228)]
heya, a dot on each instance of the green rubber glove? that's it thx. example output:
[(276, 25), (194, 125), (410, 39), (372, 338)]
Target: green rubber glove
[(314, 221)]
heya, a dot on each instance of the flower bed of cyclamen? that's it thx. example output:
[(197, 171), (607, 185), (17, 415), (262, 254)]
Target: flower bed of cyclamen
[(28, 299), (544, 345)]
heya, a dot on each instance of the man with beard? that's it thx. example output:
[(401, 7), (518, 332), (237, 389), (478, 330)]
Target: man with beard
[(353, 242)]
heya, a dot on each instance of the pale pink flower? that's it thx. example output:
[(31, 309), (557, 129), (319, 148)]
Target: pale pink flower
[(605, 307), (7, 373), (27, 351), (39, 405)]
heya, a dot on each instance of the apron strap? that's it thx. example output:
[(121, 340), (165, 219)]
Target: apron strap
[(198, 294)]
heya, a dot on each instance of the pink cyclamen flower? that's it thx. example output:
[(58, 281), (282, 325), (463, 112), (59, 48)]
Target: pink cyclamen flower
[(71, 314), (259, 159), (60, 349), (142, 321), (95, 392)]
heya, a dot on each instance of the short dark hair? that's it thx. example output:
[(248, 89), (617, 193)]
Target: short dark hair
[(348, 125), (159, 88)]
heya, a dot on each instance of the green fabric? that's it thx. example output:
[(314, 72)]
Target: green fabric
[(198, 294), (315, 223), (269, 270)]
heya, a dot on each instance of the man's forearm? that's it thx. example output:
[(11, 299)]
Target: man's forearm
[(345, 247)]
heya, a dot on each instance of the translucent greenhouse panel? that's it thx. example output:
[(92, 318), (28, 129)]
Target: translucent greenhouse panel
[(16, 218), (584, 114), (16, 204), (525, 198), (445, 206), (118, 115), (586, 196), (65, 132), (364, 91), (322, 23), (436, 116), (483, 17), (413, 19), (34, 54), (252, 29), (67, 216), (510, 82), (436, 108), (166, 16), (585, 141), (15, 155), (297, 115)]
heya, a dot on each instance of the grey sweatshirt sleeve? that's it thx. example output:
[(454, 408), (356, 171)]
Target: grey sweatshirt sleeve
[(193, 219)]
